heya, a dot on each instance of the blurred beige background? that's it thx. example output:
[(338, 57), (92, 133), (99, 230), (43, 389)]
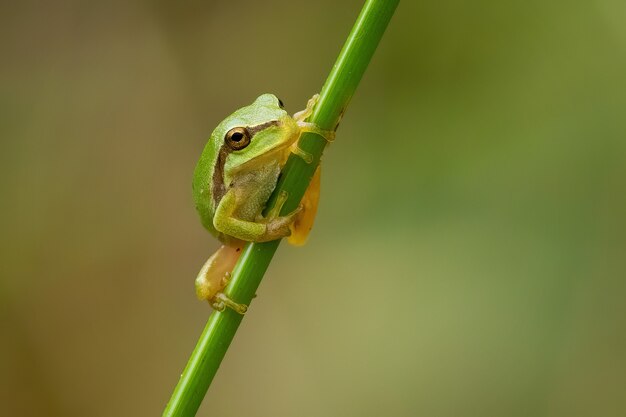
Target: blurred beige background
[(470, 250)]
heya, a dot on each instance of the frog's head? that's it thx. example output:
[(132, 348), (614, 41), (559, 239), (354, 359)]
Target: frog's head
[(253, 134), (245, 140)]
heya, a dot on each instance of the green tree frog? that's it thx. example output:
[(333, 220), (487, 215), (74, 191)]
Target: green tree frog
[(236, 174)]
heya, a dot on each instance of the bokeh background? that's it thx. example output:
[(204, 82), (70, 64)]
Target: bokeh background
[(469, 254)]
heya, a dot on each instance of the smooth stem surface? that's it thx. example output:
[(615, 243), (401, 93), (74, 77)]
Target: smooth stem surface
[(334, 98)]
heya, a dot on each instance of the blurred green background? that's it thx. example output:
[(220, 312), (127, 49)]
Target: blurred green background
[(469, 254)]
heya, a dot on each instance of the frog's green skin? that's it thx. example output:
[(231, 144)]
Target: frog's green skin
[(231, 187), (234, 179)]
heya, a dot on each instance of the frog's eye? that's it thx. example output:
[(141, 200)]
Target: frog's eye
[(280, 103), (237, 138)]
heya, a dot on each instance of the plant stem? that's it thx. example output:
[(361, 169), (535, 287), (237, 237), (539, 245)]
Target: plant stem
[(296, 175)]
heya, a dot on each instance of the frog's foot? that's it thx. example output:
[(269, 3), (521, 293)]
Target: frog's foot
[(277, 226), (221, 301)]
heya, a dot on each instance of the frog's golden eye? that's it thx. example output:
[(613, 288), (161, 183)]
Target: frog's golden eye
[(237, 138)]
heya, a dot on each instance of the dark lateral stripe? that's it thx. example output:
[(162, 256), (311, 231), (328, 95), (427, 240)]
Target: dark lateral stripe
[(218, 186), (256, 129), (217, 181)]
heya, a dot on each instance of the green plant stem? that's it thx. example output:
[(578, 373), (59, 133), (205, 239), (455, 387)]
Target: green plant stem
[(246, 277)]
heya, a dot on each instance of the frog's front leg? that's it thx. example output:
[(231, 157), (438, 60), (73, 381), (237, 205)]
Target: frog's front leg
[(252, 231), (301, 116)]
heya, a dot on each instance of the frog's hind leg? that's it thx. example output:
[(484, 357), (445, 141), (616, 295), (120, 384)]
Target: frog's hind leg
[(303, 224), (215, 275)]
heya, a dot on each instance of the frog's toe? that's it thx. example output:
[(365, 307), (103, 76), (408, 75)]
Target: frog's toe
[(221, 301)]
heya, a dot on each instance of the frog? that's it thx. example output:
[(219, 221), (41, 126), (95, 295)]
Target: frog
[(236, 174)]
